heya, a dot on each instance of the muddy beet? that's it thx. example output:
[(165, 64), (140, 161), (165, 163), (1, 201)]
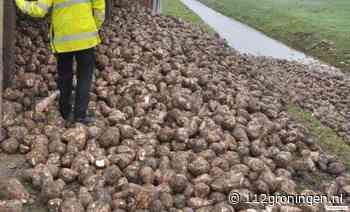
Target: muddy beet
[(182, 120), (11, 206), (12, 189)]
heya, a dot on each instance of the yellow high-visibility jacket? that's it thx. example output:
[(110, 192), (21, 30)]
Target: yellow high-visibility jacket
[(74, 23)]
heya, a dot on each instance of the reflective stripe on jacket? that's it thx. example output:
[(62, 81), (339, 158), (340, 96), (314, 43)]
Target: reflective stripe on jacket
[(74, 23)]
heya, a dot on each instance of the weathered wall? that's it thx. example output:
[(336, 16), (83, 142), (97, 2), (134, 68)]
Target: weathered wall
[(126, 3), (8, 40), (1, 62)]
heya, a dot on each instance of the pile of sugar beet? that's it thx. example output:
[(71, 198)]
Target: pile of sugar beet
[(319, 88), (182, 121)]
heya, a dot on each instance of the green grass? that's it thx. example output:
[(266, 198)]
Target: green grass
[(325, 136), (177, 9), (318, 27)]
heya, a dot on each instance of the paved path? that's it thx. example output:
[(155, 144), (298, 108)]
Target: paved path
[(244, 38), (247, 40)]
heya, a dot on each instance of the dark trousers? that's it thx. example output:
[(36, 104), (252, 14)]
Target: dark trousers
[(85, 68)]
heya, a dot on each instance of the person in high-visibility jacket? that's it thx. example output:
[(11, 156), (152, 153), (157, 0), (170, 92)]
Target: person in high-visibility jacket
[(73, 34)]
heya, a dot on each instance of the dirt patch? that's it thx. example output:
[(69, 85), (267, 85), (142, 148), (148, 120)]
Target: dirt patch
[(11, 166), (312, 181), (310, 42), (8, 41)]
